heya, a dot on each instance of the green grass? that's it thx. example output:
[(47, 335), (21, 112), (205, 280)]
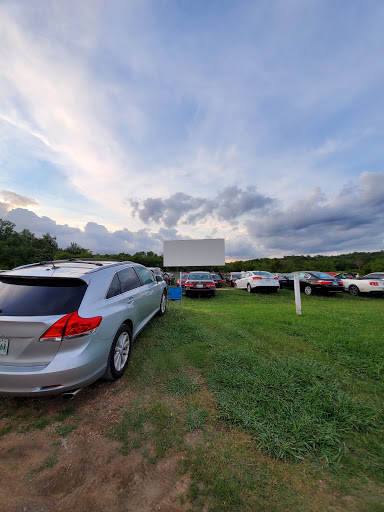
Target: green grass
[(293, 407), (144, 421), (63, 430), (306, 391)]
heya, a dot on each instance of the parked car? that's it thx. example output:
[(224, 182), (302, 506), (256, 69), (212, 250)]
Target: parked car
[(258, 280), (64, 324), (233, 276), (312, 282), (218, 280), (366, 284), (184, 277), (200, 283)]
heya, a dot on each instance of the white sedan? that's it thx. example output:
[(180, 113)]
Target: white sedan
[(258, 280), (371, 283)]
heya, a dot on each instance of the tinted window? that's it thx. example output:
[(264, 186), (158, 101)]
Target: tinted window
[(115, 288), (40, 297), (145, 274), (263, 273), (128, 279), (322, 275), (199, 277)]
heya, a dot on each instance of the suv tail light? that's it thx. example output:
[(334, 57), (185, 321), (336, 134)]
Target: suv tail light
[(71, 326)]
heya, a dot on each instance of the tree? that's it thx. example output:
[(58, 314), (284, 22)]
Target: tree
[(6, 229), (74, 249)]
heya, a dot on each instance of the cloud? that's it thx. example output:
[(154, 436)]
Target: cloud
[(253, 224), (13, 200), (229, 205), (94, 237), (350, 220)]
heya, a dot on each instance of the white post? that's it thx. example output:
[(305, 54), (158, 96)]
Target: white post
[(296, 283)]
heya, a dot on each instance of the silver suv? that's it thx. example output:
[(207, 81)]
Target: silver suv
[(64, 324)]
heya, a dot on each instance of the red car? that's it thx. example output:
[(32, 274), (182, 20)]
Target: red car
[(184, 277)]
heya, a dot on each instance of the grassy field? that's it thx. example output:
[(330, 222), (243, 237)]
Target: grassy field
[(282, 402), (270, 411)]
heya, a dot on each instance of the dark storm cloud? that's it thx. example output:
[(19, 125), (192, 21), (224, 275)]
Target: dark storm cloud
[(229, 204), (351, 220)]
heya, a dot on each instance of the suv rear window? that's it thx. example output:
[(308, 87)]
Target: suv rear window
[(23, 296)]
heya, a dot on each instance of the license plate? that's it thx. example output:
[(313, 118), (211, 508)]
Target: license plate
[(199, 286), (4, 346)]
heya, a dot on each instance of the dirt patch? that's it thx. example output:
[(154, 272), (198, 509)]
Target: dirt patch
[(84, 471)]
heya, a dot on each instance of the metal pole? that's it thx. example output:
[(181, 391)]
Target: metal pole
[(296, 283)]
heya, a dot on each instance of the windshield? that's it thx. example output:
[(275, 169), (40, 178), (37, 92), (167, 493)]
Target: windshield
[(199, 277), (322, 275), (262, 273)]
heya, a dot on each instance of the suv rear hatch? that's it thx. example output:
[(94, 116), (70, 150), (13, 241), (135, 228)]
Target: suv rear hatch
[(28, 307)]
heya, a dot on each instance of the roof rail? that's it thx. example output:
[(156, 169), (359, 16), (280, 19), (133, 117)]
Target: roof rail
[(89, 261)]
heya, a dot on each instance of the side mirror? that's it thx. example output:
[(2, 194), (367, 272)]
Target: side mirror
[(159, 279)]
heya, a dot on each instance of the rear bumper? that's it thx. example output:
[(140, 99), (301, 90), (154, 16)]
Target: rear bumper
[(199, 291), (331, 289), (75, 366)]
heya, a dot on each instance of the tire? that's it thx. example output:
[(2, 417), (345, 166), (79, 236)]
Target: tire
[(163, 304), (353, 290), (249, 288), (308, 290), (119, 354)]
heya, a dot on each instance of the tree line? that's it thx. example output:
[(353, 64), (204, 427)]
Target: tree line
[(21, 248)]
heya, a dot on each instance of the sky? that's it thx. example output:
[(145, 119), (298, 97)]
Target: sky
[(124, 123)]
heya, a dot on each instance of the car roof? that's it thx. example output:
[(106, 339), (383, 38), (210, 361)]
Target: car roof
[(72, 268)]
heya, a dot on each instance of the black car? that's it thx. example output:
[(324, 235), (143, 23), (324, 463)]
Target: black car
[(200, 283), (218, 280), (233, 276), (312, 282)]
